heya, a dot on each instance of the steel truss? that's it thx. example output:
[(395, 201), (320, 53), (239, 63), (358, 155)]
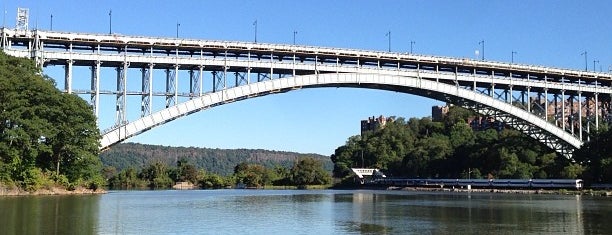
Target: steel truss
[(576, 101)]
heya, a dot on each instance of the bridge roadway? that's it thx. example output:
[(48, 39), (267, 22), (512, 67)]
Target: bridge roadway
[(554, 106)]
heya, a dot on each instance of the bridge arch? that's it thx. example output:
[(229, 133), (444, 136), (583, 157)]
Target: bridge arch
[(549, 134)]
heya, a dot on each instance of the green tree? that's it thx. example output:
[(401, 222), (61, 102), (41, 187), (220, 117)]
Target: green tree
[(252, 175), (41, 127), (596, 155), (157, 175), (309, 171)]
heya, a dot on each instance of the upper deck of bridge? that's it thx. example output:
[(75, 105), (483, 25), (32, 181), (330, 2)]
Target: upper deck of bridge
[(158, 46)]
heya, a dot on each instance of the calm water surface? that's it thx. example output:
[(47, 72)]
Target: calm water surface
[(305, 212)]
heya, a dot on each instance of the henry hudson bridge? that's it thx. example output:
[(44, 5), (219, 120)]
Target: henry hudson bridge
[(558, 107)]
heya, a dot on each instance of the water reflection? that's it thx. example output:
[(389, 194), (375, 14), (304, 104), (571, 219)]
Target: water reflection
[(49, 215), (305, 212)]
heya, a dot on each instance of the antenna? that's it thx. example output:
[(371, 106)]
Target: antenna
[(22, 18)]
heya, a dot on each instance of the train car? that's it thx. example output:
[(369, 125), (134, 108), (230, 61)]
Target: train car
[(510, 183), (475, 183), (556, 183), (484, 183)]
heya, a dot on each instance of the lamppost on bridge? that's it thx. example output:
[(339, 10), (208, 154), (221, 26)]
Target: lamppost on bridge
[(389, 36), (513, 53), (482, 52), (294, 33), (51, 22), (177, 28), (411, 43), (110, 21), (595, 68), (255, 24), (585, 61)]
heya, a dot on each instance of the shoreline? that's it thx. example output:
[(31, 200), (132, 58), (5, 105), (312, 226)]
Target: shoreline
[(55, 191), (588, 192)]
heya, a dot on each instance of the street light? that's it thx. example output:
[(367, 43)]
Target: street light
[(389, 36), (255, 24), (585, 60), (482, 52), (594, 68), (411, 43), (51, 22), (294, 33), (110, 21), (177, 28), (513, 53)]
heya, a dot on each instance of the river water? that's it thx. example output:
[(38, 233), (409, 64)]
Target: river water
[(305, 212)]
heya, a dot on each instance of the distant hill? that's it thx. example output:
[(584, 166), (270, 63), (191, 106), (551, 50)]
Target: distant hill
[(219, 161)]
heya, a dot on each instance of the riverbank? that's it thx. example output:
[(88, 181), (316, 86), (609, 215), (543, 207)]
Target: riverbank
[(50, 191), (507, 191)]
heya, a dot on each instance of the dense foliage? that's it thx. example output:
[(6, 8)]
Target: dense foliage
[(218, 161), (421, 148), (158, 175), (596, 155), (46, 137)]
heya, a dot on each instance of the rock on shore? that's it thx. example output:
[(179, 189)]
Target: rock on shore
[(51, 191)]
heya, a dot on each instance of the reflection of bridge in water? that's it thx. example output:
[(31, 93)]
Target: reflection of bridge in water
[(558, 107)]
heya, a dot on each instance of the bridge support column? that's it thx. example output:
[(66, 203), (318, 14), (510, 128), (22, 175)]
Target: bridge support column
[(147, 90), (596, 111), (172, 86), (95, 88), (511, 96), (572, 111), (194, 83), (589, 116), (120, 118), (556, 104), (580, 115), (546, 104), (563, 108), (68, 76)]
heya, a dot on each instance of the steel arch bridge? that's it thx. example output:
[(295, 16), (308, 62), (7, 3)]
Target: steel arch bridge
[(557, 107)]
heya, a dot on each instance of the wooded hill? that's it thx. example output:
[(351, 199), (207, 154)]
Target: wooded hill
[(218, 161)]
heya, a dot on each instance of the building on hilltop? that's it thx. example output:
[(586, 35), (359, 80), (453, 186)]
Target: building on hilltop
[(439, 112), (374, 123)]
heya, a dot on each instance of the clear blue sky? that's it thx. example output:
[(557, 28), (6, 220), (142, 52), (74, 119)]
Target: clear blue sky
[(549, 33)]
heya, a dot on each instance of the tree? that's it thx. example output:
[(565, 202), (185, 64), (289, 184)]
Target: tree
[(41, 127), (252, 175), (596, 155), (309, 171), (186, 172), (157, 175)]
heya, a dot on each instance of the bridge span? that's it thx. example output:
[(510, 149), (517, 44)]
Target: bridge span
[(558, 107)]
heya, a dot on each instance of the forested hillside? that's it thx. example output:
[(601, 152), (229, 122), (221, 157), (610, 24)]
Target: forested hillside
[(218, 161), (421, 148)]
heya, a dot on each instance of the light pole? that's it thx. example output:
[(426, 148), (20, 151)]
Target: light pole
[(255, 24), (389, 36), (51, 22), (585, 60), (177, 28), (294, 33), (594, 68), (411, 43), (482, 52), (513, 53), (110, 21)]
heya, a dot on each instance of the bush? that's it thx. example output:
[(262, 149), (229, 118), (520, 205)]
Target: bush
[(96, 182), (34, 179)]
